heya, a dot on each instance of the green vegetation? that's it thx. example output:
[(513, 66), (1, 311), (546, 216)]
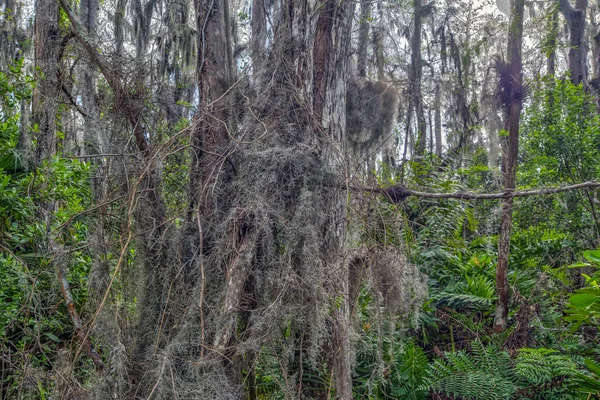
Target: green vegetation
[(550, 351), (271, 225)]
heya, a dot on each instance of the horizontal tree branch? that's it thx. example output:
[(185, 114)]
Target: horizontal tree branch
[(398, 193)]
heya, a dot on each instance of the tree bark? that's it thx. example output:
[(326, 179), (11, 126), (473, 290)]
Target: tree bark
[(416, 73), (258, 43), (46, 93), (363, 37), (209, 154), (575, 17), (210, 136), (118, 26), (378, 32), (88, 14), (552, 42), (330, 64), (438, 119), (512, 86)]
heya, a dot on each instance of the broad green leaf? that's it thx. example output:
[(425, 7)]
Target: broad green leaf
[(592, 255), (583, 300)]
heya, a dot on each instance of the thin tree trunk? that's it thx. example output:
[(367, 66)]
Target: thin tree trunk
[(594, 35), (210, 135), (227, 24), (513, 86), (438, 119), (552, 42)]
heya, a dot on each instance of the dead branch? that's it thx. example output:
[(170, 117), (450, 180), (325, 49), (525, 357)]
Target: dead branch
[(398, 193)]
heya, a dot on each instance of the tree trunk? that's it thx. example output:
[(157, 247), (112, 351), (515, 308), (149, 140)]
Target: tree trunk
[(210, 134), (438, 119), (331, 50), (258, 43), (118, 26), (378, 32), (575, 17), (512, 86), (552, 42), (209, 154), (88, 14), (363, 37), (595, 43), (45, 95), (416, 73)]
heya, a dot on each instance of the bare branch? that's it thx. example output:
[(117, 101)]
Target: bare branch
[(398, 193)]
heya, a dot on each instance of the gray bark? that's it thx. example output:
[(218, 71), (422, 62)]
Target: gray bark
[(576, 21), (45, 96), (512, 81), (416, 74), (438, 120), (363, 37)]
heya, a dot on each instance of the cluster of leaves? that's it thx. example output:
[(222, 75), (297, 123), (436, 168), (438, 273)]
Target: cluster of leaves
[(584, 304), (33, 325)]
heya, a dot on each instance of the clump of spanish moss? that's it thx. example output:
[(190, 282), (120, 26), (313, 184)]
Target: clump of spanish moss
[(371, 110)]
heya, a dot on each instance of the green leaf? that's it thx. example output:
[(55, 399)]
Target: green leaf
[(579, 265), (593, 366), (592, 255), (583, 300), (52, 337)]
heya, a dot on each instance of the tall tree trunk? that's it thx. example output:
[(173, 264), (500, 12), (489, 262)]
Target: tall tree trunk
[(45, 109), (209, 140), (575, 17), (45, 95), (258, 43), (595, 43), (118, 26), (363, 37), (331, 50), (88, 14), (213, 74), (552, 42), (378, 32), (511, 80), (438, 119), (416, 73)]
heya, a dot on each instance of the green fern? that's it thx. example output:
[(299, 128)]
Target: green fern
[(486, 373), (463, 301), (409, 374), (542, 366)]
